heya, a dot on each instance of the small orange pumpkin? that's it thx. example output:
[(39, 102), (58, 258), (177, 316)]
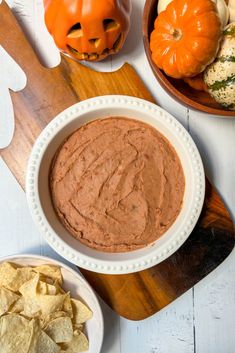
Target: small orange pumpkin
[(196, 82), (186, 37), (88, 29)]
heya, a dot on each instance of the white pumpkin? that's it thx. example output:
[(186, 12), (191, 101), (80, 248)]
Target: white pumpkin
[(223, 11), (220, 75), (162, 5), (231, 8)]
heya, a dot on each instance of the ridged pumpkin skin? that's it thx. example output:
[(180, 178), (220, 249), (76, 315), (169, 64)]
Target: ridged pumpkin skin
[(186, 37), (222, 9), (88, 29)]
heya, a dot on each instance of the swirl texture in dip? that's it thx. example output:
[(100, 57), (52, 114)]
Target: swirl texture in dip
[(117, 184)]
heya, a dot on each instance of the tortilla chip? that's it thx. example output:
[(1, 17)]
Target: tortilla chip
[(7, 272), (7, 298), (40, 342), (42, 288), (78, 327), (46, 288), (23, 275), (51, 289), (67, 307), (53, 316), (41, 312), (29, 288), (46, 345), (35, 333), (46, 279), (20, 278), (18, 306), (81, 313), (13, 278), (60, 329), (58, 288), (32, 306), (51, 271), (78, 344), (51, 303), (15, 334)]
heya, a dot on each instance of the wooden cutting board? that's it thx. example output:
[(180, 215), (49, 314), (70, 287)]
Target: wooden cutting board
[(48, 92)]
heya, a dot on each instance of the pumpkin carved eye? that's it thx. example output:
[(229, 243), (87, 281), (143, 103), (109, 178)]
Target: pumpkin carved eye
[(75, 31), (110, 25)]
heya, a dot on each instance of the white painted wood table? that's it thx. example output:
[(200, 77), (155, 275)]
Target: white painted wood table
[(203, 319)]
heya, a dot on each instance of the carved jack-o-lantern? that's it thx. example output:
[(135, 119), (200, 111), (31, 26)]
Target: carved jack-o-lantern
[(88, 29)]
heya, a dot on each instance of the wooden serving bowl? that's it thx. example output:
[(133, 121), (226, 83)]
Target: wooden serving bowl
[(178, 89)]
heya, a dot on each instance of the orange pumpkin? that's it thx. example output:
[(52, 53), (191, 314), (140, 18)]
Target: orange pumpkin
[(186, 37), (196, 82), (88, 29)]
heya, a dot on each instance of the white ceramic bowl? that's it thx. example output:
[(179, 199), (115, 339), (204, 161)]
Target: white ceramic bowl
[(40, 204), (78, 287)]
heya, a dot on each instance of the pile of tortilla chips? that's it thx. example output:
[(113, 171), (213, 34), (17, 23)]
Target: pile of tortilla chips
[(37, 315)]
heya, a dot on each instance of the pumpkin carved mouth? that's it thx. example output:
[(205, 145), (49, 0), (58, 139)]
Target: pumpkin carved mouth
[(97, 56)]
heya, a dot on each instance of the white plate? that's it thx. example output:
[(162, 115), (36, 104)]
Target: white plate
[(77, 286), (38, 194)]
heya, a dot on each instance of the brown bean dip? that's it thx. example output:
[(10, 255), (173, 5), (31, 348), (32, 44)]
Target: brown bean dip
[(117, 184)]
